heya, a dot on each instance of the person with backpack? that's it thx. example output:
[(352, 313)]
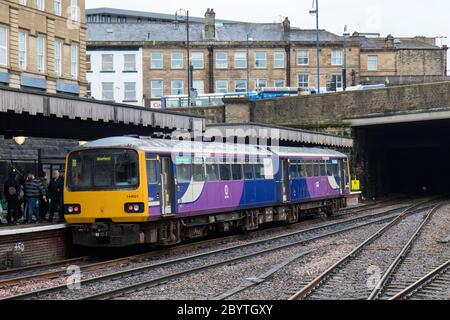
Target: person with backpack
[(34, 190), (11, 192)]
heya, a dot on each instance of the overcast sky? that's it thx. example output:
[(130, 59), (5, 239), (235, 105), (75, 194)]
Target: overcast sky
[(396, 17)]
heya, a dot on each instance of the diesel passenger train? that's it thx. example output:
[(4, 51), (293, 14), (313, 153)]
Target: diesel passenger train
[(123, 191)]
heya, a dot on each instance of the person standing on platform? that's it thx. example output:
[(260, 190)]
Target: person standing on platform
[(34, 190), (11, 192), (55, 190), (43, 203)]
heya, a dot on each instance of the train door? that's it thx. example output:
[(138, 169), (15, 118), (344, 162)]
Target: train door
[(285, 179), (343, 174), (166, 186)]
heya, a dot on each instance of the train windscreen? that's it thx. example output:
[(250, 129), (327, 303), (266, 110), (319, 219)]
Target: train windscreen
[(103, 169)]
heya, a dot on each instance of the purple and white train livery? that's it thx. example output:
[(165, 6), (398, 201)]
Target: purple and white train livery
[(163, 192)]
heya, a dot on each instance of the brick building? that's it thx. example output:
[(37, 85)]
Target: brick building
[(226, 53), (43, 46)]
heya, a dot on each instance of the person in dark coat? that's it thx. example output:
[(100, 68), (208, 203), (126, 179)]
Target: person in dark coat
[(34, 190), (55, 191), (11, 192), (43, 203)]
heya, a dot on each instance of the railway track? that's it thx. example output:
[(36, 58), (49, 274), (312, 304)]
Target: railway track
[(388, 286), (435, 285), (100, 287), (349, 278), (15, 277)]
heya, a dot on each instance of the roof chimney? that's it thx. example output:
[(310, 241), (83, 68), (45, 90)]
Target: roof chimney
[(389, 42), (210, 24), (286, 25)]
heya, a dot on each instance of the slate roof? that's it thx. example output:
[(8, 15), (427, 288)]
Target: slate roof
[(225, 32), (399, 43)]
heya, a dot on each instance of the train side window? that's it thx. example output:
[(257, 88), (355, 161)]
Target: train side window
[(323, 169), (302, 170), (184, 174), (237, 172), (211, 172), (225, 172), (248, 172), (316, 167), (152, 177), (259, 171), (335, 168), (309, 169), (198, 171), (293, 170)]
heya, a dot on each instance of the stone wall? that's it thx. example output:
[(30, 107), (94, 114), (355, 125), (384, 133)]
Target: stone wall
[(328, 112)]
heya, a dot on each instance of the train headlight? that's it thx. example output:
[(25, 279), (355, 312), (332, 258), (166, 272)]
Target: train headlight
[(72, 209), (134, 208)]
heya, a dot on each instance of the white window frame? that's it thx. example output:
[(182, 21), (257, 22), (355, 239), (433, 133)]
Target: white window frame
[(74, 60), (339, 84), (57, 7), (242, 81), (23, 50), (40, 5), (372, 65), (275, 60), (275, 83), (180, 89), (240, 56), (23, 2), (104, 97), (172, 60), (107, 66), (4, 45), (223, 62), (301, 55), (264, 66), (303, 83), (152, 88), (219, 89), (199, 85), (127, 91), (59, 45), (40, 44), (200, 59), (152, 60), (74, 10), (258, 83), (336, 57), (129, 65)]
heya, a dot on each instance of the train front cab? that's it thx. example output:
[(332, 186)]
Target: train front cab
[(110, 193)]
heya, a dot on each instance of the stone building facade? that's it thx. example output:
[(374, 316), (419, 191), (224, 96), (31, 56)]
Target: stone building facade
[(227, 53), (43, 45), (401, 60)]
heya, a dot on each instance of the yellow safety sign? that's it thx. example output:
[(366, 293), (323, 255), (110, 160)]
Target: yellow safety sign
[(356, 185)]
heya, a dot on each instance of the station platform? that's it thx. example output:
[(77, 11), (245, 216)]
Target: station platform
[(27, 245)]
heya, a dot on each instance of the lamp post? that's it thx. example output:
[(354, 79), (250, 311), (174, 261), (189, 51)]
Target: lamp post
[(315, 11), (344, 66), (183, 14), (249, 39)]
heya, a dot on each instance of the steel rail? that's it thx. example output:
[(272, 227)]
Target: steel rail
[(422, 282), (218, 251), (402, 255), (307, 290)]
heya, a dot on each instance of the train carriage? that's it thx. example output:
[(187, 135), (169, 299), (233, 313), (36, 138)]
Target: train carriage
[(124, 191)]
